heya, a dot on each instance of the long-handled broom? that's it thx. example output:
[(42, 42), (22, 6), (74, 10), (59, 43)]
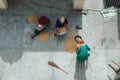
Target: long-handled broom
[(56, 66), (92, 52)]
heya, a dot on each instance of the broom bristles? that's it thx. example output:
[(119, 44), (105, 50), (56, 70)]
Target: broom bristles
[(53, 64), (56, 66)]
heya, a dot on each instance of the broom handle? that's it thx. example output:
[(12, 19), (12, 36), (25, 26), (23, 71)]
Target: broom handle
[(92, 52), (63, 70)]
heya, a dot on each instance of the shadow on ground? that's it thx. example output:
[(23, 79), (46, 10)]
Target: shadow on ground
[(80, 71), (118, 24)]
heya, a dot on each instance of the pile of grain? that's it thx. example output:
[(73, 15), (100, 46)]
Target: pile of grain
[(63, 29), (32, 18), (70, 44), (44, 36)]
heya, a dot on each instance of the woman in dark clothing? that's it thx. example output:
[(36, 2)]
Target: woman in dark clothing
[(61, 22)]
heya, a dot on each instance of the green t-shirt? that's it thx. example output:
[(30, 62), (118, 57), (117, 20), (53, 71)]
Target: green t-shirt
[(83, 54)]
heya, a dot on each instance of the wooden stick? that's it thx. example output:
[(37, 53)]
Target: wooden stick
[(116, 63), (56, 66), (63, 70), (116, 71), (92, 52)]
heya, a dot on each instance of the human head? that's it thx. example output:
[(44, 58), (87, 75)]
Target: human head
[(62, 19), (77, 38)]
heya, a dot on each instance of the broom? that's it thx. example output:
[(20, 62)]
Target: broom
[(92, 52), (56, 66)]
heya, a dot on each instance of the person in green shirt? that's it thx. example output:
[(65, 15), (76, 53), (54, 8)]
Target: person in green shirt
[(82, 51)]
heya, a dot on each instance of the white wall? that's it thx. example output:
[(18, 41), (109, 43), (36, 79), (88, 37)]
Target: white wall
[(3, 4), (78, 4)]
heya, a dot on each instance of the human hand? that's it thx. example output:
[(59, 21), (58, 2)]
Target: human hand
[(58, 30), (78, 47)]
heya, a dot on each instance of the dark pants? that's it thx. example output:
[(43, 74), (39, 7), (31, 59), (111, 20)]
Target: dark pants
[(37, 32)]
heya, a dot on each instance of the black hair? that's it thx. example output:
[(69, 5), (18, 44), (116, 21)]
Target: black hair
[(77, 37)]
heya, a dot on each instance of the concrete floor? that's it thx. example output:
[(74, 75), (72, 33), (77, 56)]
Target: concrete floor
[(21, 60)]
